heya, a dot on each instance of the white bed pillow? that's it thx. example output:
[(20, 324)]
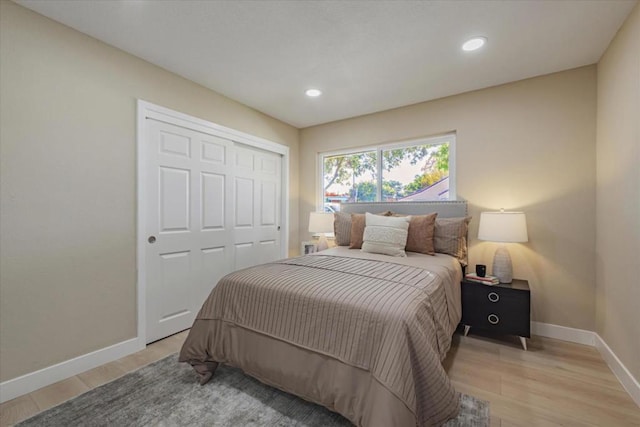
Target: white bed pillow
[(385, 235)]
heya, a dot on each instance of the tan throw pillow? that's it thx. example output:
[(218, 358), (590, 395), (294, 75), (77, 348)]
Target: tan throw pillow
[(421, 232), (385, 235), (451, 237), (342, 228), (357, 228)]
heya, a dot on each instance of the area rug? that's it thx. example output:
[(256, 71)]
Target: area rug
[(167, 393)]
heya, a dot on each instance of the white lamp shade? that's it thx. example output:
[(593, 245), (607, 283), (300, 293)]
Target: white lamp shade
[(320, 222), (508, 227)]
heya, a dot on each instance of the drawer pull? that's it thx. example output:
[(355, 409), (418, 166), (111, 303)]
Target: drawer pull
[(493, 297), (493, 319)]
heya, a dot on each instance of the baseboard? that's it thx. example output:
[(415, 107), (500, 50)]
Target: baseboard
[(564, 333), (620, 371), (34, 380)]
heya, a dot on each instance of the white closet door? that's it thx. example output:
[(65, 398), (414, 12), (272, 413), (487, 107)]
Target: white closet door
[(268, 172), (257, 185), (212, 206)]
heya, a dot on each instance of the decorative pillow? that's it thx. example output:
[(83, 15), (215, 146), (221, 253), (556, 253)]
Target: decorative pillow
[(385, 235), (421, 232), (357, 228), (342, 228), (451, 237)]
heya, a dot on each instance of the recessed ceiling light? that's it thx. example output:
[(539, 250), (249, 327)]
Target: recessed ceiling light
[(474, 43), (313, 92)]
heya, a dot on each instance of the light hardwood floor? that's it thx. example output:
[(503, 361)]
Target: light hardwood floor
[(554, 383)]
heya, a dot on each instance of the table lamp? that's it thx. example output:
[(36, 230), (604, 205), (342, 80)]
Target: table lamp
[(322, 223), (503, 227)]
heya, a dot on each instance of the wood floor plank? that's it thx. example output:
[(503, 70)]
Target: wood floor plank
[(549, 357), (550, 383), (579, 405), (495, 421), (102, 374), (469, 373), (16, 410), (59, 392), (152, 353)]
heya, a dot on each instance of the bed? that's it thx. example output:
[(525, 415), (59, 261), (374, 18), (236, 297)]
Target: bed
[(362, 334)]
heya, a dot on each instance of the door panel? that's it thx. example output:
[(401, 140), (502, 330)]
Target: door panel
[(174, 144), (175, 267), (267, 214), (213, 205), (268, 204), (215, 262), (268, 165), (244, 160), (214, 150), (213, 201), (174, 199), (267, 251), (244, 255), (244, 202)]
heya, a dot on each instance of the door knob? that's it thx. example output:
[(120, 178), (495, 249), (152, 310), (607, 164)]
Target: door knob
[(151, 239)]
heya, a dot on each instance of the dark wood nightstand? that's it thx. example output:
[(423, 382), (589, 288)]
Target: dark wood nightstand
[(503, 308)]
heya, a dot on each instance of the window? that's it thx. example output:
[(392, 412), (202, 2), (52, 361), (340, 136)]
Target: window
[(411, 171)]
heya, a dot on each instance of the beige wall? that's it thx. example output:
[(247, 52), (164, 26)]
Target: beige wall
[(68, 214), (529, 146), (618, 195)]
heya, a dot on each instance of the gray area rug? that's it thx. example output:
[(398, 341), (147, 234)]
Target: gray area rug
[(167, 393)]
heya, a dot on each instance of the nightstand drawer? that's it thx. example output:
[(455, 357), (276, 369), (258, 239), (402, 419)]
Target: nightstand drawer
[(499, 319)]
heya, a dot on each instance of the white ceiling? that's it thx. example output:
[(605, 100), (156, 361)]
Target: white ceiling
[(366, 56)]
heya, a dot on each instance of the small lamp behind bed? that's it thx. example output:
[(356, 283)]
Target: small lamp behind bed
[(504, 227), (321, 223)]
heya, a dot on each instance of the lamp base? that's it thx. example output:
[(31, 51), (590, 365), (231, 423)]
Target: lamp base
[(323, 243), (502, 267)]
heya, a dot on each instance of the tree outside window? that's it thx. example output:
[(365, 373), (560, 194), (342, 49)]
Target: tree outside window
[(417, 171)]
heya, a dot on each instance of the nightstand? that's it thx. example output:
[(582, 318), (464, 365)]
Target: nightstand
[(503, 308)]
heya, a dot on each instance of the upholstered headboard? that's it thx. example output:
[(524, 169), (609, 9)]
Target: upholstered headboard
[(444, 208)]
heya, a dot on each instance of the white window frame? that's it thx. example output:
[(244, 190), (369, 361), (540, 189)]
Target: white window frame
[(432, 140)]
